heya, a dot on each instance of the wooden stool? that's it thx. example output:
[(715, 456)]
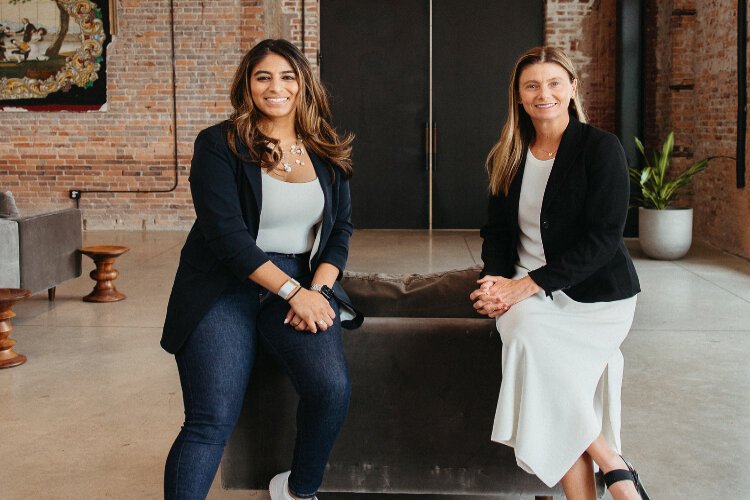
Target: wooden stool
[(104, 257), (8, 297)]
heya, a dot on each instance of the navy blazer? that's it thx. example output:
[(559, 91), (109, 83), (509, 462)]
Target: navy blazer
[(221, 249), (582, 220)]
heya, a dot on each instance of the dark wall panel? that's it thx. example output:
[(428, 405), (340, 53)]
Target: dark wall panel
[(374, 63)]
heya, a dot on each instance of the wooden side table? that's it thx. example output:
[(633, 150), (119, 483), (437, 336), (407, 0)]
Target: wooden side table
[(8, 298), (104, 257)]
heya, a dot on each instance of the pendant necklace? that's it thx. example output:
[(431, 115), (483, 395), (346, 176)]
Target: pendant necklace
[(549, 155), (287, 158)]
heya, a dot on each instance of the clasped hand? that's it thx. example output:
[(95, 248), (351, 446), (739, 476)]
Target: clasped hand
[(309, 311), (497, 294)]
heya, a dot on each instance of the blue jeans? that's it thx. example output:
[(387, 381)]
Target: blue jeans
[(215, 365)]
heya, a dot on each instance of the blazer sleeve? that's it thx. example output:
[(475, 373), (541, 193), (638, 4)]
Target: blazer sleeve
[(497, 237), (605, 210), (213, 184), (336, 250)]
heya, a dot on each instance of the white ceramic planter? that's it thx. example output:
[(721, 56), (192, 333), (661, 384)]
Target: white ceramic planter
[(665, 234)]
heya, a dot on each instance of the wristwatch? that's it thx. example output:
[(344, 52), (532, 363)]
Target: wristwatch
[(324, 290), (287, 288)]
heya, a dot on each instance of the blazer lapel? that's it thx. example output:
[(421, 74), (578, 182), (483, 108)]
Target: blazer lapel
[(570, 148), (324, 177), (252, 174), (326, 226)]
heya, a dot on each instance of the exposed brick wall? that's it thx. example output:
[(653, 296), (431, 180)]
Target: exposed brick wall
[(130, 147), (310, 43), (722, 212), (657, 61), (691, 67)]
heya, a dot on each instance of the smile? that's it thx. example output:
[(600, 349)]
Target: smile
[(545, 106), (277, 100)]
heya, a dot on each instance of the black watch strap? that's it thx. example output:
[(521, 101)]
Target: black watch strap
[(324, 290)]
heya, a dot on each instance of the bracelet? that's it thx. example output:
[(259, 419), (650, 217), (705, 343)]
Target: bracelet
[(324, 290), (287, 288), (294, 292)]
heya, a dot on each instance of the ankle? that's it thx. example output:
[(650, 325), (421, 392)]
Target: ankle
[(612, 461), (624, 490)]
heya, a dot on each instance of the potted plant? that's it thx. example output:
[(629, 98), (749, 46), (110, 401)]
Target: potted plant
[(664, 232)]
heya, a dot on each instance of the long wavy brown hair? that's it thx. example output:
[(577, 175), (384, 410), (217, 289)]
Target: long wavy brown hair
[(312, 113), (505, 156)]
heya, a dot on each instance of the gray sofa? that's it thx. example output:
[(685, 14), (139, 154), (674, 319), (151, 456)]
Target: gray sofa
[(40, 251), (425, 372), (10, 266)]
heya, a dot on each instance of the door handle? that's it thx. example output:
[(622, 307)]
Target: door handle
[(427, 146), (434, 146)]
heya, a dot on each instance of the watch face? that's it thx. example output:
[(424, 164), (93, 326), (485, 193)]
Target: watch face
[(327, 292)]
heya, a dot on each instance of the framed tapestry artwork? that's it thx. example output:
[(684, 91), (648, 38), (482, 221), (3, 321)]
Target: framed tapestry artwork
[(53, 54)]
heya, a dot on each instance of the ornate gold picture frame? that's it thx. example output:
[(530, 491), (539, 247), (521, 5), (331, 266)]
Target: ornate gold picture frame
[(61, 50)]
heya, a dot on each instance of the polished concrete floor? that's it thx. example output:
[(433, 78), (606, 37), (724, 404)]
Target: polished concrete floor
[(95, 409)]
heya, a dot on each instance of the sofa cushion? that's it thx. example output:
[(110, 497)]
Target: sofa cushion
[(436, 295), (48, 244), (8, 206)]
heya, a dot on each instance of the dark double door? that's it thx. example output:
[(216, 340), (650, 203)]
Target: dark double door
[(423, 85)]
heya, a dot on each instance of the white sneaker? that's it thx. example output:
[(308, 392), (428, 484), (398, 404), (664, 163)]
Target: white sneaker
[(279, 487)]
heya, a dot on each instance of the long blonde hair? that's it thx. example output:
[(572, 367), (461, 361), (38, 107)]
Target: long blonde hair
[(312, 113), (505, 156)]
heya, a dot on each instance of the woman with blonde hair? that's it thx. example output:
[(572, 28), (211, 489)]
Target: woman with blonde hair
[(261, 266), (559, 281)]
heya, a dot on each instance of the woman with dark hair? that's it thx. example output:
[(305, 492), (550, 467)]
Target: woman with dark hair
[(559, 281), (261, 265)]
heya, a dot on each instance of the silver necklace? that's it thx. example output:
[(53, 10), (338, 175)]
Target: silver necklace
[(288, 159)]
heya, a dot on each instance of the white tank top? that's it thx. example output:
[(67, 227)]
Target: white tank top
[(289, 215), (535, 177)]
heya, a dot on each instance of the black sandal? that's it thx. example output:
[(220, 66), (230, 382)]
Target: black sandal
[(631, 474)]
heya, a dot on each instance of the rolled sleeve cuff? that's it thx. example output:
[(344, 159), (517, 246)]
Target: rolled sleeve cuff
[(244, 262), (547, 283), (336, 256)]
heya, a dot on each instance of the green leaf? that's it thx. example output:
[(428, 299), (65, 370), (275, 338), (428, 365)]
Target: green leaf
[(640, 147), (668, 147), (645, 174), (657, 190)]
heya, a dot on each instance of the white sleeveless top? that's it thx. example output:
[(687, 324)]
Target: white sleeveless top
[(289, 215), (535, 177)]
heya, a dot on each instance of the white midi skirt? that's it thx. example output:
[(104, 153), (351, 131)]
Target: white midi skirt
[(562, 376)]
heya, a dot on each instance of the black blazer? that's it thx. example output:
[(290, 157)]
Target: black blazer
[(582, 220), (220, 248)]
